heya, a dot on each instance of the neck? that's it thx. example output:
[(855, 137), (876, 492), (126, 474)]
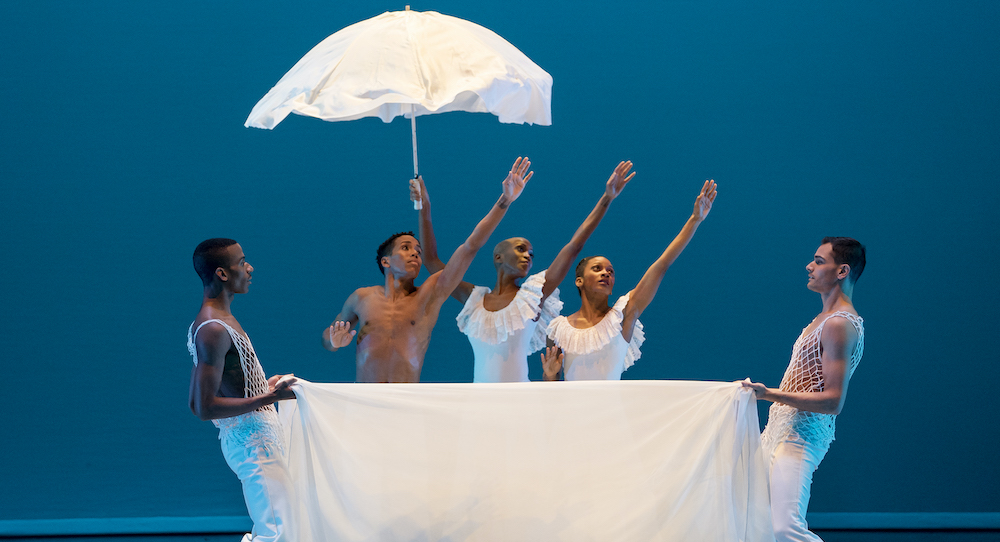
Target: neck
[(593, 306), (505, 283), (396, 287), (837, 298), (218, 298)]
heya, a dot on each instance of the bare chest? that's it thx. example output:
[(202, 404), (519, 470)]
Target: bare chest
[(391, 318)]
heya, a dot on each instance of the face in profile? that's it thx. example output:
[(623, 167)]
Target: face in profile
[(405, 258), (824, 272), (598, 276), (239, 271)]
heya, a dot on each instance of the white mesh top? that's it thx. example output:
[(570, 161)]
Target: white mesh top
[(502, 340), (805, 374), (257, 427), (599, 352)]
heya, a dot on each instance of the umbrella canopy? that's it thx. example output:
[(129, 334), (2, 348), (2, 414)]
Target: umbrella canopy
[(410, 63)]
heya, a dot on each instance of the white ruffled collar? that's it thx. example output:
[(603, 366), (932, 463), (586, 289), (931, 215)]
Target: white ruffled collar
[(591, 339), (494, 327)]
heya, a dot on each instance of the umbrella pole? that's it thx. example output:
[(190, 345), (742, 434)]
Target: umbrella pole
[(413, 127)]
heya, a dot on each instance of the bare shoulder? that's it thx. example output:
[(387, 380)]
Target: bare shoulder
[(365, 292), (840, 330), (212, 339)]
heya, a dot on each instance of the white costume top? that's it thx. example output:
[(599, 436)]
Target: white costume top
[(502, 340), (257, 427), (599, 352), (805, 374)]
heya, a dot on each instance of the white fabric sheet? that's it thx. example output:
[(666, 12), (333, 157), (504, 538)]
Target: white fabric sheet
[(552, 461)]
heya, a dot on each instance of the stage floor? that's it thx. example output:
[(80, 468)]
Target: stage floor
[(828, 536)]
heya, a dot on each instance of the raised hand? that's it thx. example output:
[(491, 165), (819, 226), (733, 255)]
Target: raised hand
[(703, 204), (516, 179), (619, 178), (340, 334), (552, 361), (418, 191)]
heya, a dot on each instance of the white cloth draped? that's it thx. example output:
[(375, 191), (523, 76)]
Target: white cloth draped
[(553, 461)]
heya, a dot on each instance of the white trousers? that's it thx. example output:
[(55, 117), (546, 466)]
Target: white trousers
[(263, 471), (792, 467)]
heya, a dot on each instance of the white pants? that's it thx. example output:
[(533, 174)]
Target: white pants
[(792, 467), (266, 489)]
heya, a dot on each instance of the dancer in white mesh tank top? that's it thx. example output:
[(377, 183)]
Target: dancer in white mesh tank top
[(600, 341), (507, 324), (800, 423), (228, 386)]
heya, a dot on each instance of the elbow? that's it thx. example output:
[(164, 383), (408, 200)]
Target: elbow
[(199, 410), (835, 405)]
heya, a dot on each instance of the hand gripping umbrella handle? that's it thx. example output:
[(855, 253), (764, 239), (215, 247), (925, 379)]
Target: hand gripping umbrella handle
[(413, 126)]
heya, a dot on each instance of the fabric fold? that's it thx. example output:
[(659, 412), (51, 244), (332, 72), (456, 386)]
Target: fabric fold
[(634, 460)]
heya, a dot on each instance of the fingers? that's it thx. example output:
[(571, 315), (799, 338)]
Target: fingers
[(414, 190)]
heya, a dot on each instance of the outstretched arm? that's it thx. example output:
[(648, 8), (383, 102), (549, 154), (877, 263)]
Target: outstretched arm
[(650, 282), (445, 281), (428, 243), (569, 253), (839, 340), (212, 343), (339, 333)]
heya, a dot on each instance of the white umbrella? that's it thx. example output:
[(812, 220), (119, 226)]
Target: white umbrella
[(410, 63)]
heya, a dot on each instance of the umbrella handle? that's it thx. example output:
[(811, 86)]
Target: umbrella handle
[(417, 205)]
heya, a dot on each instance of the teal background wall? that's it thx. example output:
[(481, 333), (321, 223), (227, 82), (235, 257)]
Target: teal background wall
[(124, 146)]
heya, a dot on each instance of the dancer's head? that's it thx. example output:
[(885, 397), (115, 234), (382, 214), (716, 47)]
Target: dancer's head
[(837, 260), (220, 259), (401, 254), (595, 274), (514, 256)]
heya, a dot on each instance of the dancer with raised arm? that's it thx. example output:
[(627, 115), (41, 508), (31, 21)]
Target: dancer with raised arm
[(801, 422), (507, 323), (394, 321), (228, 386), (601, 341)]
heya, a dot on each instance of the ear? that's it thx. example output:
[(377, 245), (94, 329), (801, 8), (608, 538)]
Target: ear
[(497, 257), (579, 282), (385, 262), (221, 273), (844, 271)]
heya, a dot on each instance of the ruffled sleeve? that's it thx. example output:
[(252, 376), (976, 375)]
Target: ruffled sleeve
[(586, 341), (532, 291), (494, 327)]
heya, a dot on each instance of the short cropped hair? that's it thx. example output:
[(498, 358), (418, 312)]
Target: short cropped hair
[(849, 251), (210, 255), (580, 267), (385, 248)]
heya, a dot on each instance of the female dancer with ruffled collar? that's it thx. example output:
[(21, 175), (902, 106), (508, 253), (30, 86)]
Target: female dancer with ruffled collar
[(507, 323), (601, 341)]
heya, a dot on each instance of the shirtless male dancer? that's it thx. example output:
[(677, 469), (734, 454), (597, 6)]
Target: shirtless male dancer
[(507, 324), (394, 321), (800, 423), (228, 386)]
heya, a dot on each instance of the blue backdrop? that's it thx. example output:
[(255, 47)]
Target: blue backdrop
[(124, 147)]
